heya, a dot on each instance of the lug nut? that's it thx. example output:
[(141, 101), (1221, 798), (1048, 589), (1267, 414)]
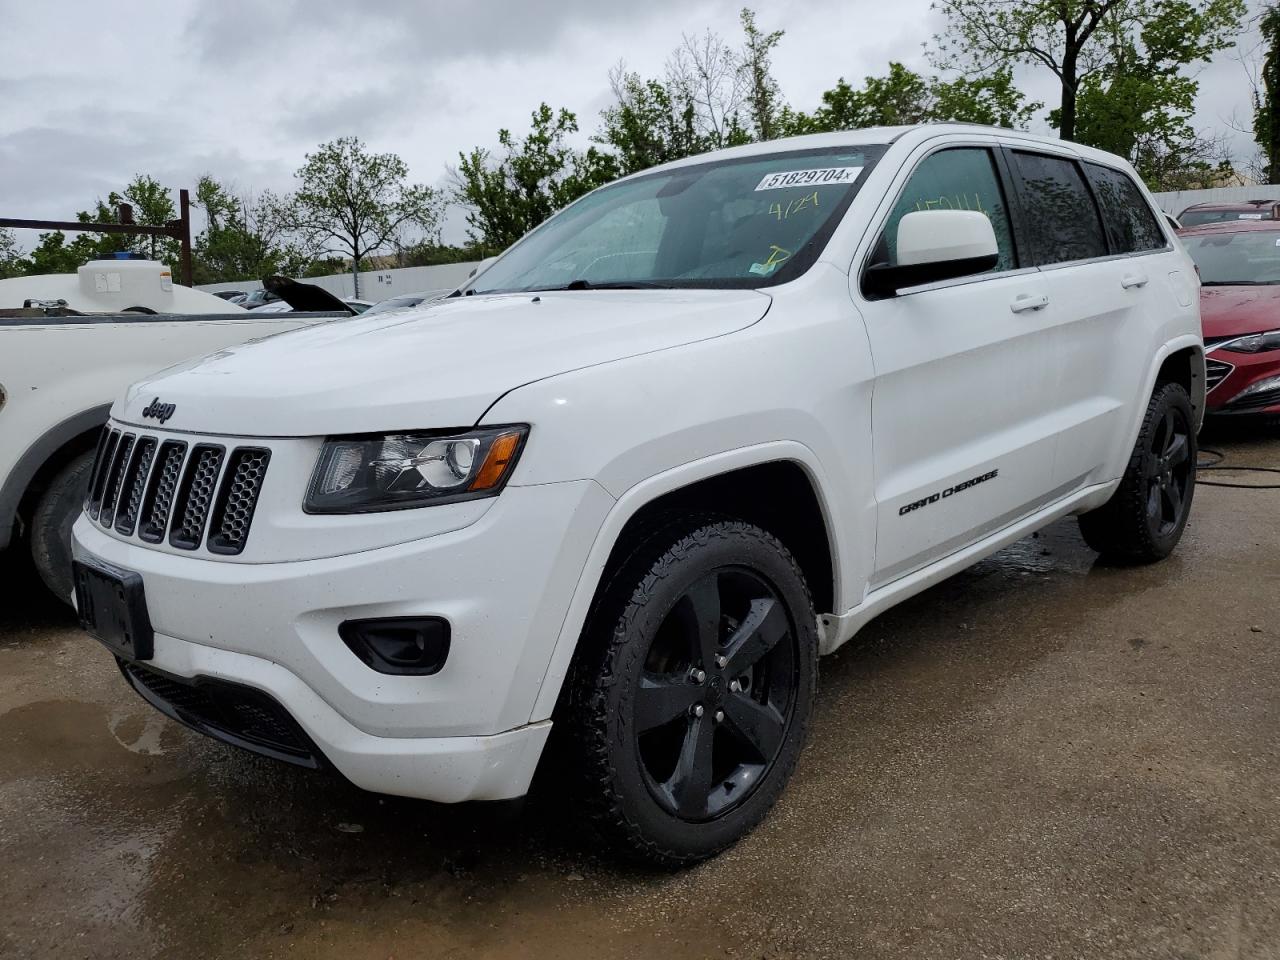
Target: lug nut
[(698, 676), (735, 686), (721, 660), (699, 709), (719, 715)]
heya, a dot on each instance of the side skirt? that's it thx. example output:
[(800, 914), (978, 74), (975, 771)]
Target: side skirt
[(836, 629)]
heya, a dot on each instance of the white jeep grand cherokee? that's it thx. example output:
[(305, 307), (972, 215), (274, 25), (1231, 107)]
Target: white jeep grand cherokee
[(690, 433)]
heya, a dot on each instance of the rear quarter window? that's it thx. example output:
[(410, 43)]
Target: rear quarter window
[(1130, 225), (1060, 217)]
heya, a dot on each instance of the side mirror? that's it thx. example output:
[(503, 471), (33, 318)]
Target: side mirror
[(481, 267), (936, 245)]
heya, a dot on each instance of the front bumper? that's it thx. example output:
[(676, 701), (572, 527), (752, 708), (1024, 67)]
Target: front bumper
[(465, 733), (1250, 386)]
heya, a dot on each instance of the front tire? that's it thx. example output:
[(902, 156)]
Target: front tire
[(1144, 519), (51, 524), (691, 694)]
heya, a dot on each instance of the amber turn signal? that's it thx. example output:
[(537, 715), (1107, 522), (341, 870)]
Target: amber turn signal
[(501, 455)]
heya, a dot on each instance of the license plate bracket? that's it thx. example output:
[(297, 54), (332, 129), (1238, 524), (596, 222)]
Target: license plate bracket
[(113, 608)]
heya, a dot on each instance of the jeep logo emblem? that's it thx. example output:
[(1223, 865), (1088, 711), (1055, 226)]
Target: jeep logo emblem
[(159, 411)]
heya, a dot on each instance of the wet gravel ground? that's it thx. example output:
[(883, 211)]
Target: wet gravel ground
[(1041, 757)]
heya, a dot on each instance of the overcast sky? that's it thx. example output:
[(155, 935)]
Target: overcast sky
[(92, 93)]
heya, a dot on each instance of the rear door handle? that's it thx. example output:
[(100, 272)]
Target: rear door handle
[(1130, 280), (1027, 301)]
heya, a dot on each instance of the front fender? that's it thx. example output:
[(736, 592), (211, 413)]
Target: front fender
[(635, 499)]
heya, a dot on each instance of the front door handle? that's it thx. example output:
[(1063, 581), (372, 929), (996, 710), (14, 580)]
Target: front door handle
[(1027, 301), (1130, 280)]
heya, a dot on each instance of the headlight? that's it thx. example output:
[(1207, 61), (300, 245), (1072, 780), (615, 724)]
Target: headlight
[(1254, 343), (396, 471)]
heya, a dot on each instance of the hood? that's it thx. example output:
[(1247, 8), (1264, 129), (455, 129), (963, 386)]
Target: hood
[(440, 365), (1234, 311)]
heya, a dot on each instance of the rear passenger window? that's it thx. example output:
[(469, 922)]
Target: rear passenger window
[(960, 179), (1131, 226), (1061, 219)]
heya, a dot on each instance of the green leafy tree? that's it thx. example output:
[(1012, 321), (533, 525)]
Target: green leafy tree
[(351, 203), (1266, 102), (903, 96), (152, 206), (12, 262), (244, 237), (648, 125), (535, 176), (1080, 40), (763, 95)]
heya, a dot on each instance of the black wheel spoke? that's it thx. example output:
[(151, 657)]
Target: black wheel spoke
[(1173, 499), (1153, 501), (703, 605), (758, 633), (661, 698), (1170, 425), (690, 782), (758, 724), (1178, 451)]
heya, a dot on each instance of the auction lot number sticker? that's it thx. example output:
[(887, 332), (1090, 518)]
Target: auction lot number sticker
[(823, 177)]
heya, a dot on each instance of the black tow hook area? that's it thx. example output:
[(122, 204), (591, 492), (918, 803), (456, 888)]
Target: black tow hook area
[(404, 646)]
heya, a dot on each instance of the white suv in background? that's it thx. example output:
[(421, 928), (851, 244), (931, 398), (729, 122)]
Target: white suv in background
[(690, 433)]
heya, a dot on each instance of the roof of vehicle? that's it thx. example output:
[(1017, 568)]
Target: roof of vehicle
[(868, 136), (1229, 226), (1245, 205)]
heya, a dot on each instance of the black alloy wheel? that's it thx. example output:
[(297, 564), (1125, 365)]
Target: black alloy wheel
[(1168, 471), (690, 694), (1145, 517), (715, 697)]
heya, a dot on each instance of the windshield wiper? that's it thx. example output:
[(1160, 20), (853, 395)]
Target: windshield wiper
[(1235, 283), (613, 285)]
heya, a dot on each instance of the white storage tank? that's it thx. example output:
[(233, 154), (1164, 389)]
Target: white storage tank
[(123, 282)]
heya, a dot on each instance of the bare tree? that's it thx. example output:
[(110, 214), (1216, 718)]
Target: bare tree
[(705, 71)]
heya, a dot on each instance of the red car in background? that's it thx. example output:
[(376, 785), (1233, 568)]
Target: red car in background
[(1202, 213), (1239, 266)]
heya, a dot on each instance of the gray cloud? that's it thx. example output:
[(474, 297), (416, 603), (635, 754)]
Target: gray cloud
[(243, 89)]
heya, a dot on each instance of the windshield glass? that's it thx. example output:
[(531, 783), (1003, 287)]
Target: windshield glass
[(729, 223), (1193, 218), (395, 303), (1229, 259)]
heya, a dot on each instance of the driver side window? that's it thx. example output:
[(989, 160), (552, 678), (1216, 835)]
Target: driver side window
[(963, 178)]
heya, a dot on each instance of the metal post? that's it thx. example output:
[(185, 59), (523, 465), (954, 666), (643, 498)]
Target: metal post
[(184, 221)]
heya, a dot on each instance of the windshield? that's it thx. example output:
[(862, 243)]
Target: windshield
[(1232, 259), (1193, 218), (751, 222)]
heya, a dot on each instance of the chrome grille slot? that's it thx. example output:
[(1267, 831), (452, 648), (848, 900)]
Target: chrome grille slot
[(195, 496), (115, 477), (134, 483), (233, 512), (106, 454), (157, 502)]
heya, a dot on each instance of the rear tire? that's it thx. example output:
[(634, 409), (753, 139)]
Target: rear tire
[(51, 524), (1144, 519), (690, 696)]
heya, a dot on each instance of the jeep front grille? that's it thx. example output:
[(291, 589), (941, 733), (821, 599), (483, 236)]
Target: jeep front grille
[(161, 489)]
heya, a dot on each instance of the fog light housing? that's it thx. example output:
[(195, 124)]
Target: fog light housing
[(403, 646)]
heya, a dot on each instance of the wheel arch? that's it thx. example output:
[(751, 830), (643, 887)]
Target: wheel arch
[(729, 483), (1184, 365), (50, 452)]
